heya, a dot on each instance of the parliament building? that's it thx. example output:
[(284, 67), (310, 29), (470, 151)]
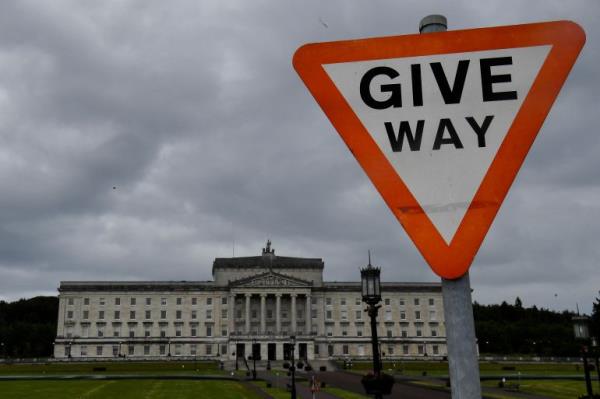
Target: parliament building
[(253, 305)]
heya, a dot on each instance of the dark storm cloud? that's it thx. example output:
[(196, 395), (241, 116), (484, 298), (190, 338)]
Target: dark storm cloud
[(193, 113)]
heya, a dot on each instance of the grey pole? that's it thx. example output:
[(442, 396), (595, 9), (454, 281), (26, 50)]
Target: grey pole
[(463, 362)]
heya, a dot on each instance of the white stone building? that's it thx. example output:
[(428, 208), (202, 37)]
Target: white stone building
[(253, 305)]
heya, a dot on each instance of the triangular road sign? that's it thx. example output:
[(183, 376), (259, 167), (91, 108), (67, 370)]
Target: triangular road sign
[(442, 122)]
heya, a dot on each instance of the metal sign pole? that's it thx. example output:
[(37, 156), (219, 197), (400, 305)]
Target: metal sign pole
[(463, 362)]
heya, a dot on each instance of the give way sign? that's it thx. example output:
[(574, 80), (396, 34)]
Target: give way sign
[(442, 122)]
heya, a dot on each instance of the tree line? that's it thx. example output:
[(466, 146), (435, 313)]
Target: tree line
[(28, 329)]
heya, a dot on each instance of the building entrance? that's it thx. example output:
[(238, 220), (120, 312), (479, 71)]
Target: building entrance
[(272, 351), (287, 351), (303, 351), (240, 350)]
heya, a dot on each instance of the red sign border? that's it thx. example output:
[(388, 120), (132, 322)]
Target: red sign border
[(453, 260)]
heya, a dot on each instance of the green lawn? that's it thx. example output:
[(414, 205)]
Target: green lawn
[(276, 392), (559, 389), (440, 368), (130, 389), (112, 368)]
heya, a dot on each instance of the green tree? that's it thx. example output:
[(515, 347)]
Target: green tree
[(595, 322)]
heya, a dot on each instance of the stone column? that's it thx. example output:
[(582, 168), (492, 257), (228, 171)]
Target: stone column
[(263, 310), (307, 323), (248, 312), (231, 314), (277, 313), (293, 313)]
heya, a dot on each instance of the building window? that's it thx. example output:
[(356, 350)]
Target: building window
[(70, 301), (163, 301), (133, 301), (193, 331), (101, 314), (148, 301), (416, 301), (317, 349), (224, 333), (390, 350), (208, 314), (83, 350), (162, 349), (208, 331), (432, 315), (419, 333), (117, 314), (342, 301), (344, 314), (330, 350), (417, 315), (86, 314), (146, 350), (131, 350), (313, 313), (357, 301), (223, 300), (85, 331), (132, 315), (178, 314), (194, 314), (359, 315), (99, 351), (328, 301), (420, 349), (359, 332), (433, 332), (208, 301), (115, 350), (224, 349), (254, 314), (404, 333), (223, 313), (209, 349), (86, 301), (329, 331), (116, 331), (148, 314), (431, 302), (117, 301), (179, 301), (102, 302), (132, 333), (147, 332), (313, 301), (436, 350), (405, 349), (163, 314), (388, 315), (344, 332), (193, 349), (329, 314), (345, 349), (178, 332), (163, 332), (402, 315), (401, 302), (69, 314), (389, 333), (387, 301)]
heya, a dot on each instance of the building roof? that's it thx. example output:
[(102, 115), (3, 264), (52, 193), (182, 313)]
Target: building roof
[(267, 261)]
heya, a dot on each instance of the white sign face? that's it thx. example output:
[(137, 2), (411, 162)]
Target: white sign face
[(440, 119)]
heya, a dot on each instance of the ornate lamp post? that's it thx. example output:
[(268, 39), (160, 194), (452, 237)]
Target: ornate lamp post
[(371, 295), (293, 368), (582, 333)]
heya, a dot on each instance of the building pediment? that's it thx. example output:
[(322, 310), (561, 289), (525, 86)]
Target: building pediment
[(270, 279)]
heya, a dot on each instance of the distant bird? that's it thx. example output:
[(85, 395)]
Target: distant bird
[(323, 23), (114, 187)]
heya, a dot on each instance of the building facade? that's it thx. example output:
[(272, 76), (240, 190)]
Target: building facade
[(252, 306)]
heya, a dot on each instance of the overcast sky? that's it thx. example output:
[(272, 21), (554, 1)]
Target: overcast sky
[(139, 140)]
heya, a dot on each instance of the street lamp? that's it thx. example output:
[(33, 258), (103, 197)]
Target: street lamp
[(371, 295), (293, 367), (582, 333), (254, 358)]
